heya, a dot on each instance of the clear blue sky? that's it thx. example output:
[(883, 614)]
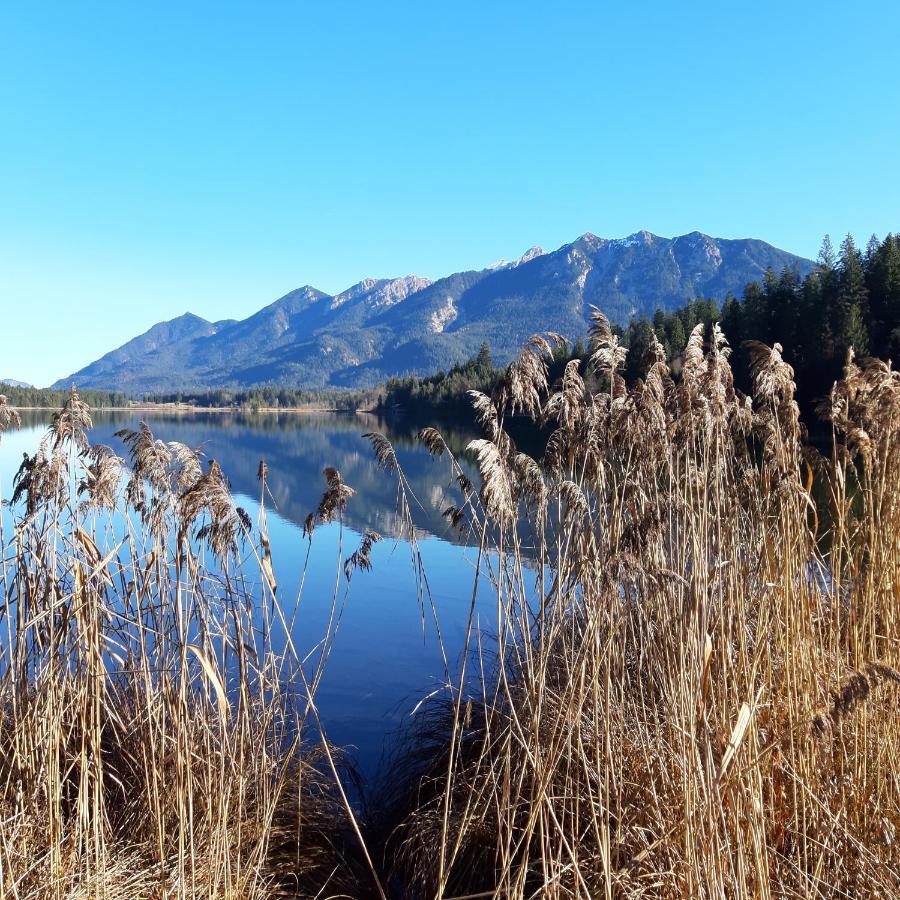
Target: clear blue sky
[(163, 157)]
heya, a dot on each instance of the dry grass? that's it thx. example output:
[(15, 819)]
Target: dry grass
[(702, 701), (699, 700), (151, 740)]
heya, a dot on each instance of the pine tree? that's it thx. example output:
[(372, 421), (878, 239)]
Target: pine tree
[(827, 260), (815, 330), (784, 320), (677, 336), (883, 282), (638, 339), (854, 332), (484, 361), (755, 313), (852, 301), (872, 248), (731, 320)]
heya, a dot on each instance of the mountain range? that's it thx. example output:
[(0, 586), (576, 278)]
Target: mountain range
[(382, 327)]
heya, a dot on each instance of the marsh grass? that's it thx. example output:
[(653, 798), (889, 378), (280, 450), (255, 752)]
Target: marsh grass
[(148, 744), (703, 701), (700, 699)]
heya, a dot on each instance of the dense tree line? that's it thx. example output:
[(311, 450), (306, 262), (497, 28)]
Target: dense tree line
[(268, 398), (443, 390), (47, 398), (852, 299)]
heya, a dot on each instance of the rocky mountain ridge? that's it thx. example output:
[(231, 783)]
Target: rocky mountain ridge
[(381, 327)]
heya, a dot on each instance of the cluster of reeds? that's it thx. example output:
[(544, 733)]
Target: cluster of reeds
[(692, 689), (701, 696), (153, 716)]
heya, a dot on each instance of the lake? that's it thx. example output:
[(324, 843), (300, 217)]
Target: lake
[(384, 661)]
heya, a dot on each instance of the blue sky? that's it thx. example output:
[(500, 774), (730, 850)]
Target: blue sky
[(163, 157)]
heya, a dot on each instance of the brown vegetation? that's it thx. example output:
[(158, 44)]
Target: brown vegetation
[(703, 699), (699, 699), (148, 744)]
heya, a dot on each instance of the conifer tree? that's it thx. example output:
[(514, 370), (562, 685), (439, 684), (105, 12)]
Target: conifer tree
[(827, 259), (677, 336), (484, 361), (883, 282), (852, 301)]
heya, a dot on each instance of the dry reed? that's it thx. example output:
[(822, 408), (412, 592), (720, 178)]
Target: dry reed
[(699, 698), (151, 740)]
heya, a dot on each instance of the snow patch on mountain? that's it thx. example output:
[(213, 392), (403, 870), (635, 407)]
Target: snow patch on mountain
[(638, 239)]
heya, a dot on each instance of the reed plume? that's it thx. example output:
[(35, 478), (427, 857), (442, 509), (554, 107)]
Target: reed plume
[(150, 744), (697, 694)]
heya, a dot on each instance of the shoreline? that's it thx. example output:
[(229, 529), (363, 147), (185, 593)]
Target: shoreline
[(187, 408)]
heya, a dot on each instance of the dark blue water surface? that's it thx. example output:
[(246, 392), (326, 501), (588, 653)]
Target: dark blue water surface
[(383, 660)]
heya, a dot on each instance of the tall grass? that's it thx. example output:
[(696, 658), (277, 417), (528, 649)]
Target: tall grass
[(699, 700), (702, 700), (148, 744)]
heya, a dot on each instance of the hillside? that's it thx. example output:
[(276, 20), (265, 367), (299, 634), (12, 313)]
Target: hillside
[(384, 327)]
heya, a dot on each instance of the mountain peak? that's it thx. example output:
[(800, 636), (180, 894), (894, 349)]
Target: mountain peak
[(694, 237), (530, 254), (189, 318), (186, 324), (385, 327), (295, 301), (638, 239), (380, 293), (361, 287)]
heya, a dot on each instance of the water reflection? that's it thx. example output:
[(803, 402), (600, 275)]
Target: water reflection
[(297, 447), (384, 659)]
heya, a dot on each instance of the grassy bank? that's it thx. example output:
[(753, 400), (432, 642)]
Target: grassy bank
[(701, 701)]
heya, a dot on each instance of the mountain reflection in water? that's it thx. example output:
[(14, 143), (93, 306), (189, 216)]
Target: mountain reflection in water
[(385, 658)]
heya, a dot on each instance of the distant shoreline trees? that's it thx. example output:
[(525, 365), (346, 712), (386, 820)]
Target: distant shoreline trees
[(49, 398), (266, 398), (851, 299)]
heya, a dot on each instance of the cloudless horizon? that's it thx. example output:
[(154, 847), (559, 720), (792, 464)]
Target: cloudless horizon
[(211, 157)]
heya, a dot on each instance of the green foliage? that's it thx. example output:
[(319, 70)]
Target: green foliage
[(270, 398), (48, 398), (851, 299), (444, 390)]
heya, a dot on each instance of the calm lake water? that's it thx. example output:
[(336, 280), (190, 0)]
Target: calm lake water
[(382, 662)]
